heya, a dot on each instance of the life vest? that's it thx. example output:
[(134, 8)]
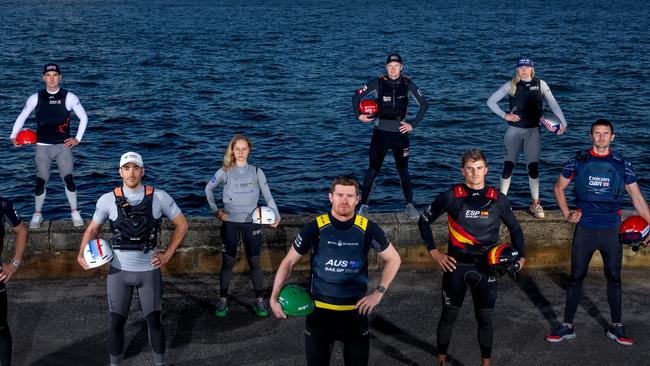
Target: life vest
[(393, 97), (135, 227), (473, 230), (52, 117), (527, 103), (339, 265), (599, 179)]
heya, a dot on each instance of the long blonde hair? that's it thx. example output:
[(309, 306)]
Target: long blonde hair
[(515, 80), (229, 157)]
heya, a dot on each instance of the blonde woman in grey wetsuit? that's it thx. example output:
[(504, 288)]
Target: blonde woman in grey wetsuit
[(526, 94), (242, 184)]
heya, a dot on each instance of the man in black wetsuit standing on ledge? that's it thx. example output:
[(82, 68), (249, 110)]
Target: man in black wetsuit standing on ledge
[(391, 92)]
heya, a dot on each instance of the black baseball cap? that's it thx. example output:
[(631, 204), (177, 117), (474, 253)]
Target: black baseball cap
[(51, 67), (394, 57)]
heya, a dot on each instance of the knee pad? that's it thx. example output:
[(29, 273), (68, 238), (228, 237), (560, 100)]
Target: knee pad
[(69, 183), (254, 263), (156, 332), (508, 167), (533, 170), (40, 186), (228, 262), (449, 315)]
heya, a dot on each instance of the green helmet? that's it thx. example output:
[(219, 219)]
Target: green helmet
[(295, 301)]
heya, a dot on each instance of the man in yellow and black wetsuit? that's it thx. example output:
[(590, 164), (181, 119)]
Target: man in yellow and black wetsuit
[(339, 242), (475, 212)]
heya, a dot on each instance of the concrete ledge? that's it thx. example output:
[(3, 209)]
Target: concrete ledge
[(51, 251)]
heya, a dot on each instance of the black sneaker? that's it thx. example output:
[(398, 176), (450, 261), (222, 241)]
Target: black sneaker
[(561, 333), (617, 333)]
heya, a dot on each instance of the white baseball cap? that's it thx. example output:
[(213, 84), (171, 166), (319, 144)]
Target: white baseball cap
[(131, 157)]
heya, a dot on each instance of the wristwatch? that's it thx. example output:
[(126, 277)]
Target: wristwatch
[(381, 289), (16, 263)]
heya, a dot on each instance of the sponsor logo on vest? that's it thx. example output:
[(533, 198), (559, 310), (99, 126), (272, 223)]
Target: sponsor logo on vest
[(55, 101), (598, 181), (342, 243), (340, 265), (387, 98), (535, 87), (476, 214)]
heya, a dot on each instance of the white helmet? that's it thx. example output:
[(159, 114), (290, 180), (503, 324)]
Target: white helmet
[(263, 215), (97, 253), (551, 122)]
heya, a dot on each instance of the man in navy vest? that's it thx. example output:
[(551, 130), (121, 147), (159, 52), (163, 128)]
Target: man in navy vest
[(392, 92), (601, 178), (339, 242), (53, 107)]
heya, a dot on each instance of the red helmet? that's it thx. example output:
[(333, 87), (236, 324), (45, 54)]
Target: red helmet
[(26, 137), (368, 107), (633, 231)]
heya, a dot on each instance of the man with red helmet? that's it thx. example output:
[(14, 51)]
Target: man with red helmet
[(601, 177)]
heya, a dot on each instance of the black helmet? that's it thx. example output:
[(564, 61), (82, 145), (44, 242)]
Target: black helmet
[(503, 258)]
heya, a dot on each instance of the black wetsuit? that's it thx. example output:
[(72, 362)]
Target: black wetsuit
[(7, 212), (392, 97), (339, 276), (475, 218)]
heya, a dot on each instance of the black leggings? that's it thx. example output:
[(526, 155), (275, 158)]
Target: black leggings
[(5, 334), (323, 327), (585, 242), (379, 144), (251, 235), (484, 295)]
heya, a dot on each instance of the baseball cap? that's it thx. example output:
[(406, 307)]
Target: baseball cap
[(51, 67), (525, 61), (394, 57), (131, 157)]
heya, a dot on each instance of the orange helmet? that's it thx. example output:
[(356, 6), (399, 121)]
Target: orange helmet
[(633, 231)]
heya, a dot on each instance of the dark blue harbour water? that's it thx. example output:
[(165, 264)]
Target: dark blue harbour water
[(175, 80)]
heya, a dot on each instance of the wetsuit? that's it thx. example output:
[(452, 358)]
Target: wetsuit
[(339, 278), (53, 112), (392, 97), (241, 192), (8, 214), (599, 187), (136, 217), (527, 104), (474, 218)]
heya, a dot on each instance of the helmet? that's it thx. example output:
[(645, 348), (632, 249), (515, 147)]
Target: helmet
[(503, 258), (26, 137), (633, 231), (369, 107), (551, 122), (97, 253), (263, 215), (295, 301)]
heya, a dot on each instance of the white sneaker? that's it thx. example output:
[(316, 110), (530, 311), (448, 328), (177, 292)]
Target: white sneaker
[(363, 211), (411, 211), (537, 211), (77, 221), (37, 220)]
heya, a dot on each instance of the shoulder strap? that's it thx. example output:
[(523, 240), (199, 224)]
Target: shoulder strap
[(148, 190), (459, 191), (323, 220), (117, 191), (361, 222), (491, 193)]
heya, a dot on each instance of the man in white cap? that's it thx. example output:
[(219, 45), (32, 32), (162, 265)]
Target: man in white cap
[(134, 212)]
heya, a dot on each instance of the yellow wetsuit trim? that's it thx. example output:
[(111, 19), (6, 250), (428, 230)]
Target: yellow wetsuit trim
[(324, 305)]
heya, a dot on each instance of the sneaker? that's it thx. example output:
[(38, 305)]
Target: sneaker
[(411, 211), (222, 308), (537, 211), (37, 220), (77, 221), (617, 333), (261, 310), (561, 333), (363, 211)]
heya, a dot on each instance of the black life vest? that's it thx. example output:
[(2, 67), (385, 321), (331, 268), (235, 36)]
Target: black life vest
[(339, 265), (473, 230), (393, 97), (52, 117), (135, 227), (527, 103)]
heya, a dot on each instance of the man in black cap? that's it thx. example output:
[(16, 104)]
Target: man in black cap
[(391, 91), (53, 107)]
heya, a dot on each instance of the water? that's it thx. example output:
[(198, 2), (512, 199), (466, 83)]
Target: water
[(175, 80)]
